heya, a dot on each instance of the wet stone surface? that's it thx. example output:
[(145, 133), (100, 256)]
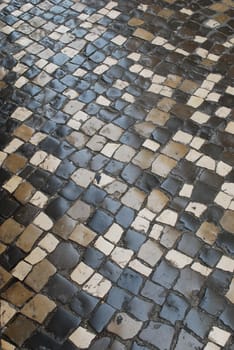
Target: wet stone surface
[(116, 175)]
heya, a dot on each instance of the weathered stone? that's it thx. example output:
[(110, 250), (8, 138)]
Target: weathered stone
[(158, 334), (124, 326), (157, 200), (227, 221)]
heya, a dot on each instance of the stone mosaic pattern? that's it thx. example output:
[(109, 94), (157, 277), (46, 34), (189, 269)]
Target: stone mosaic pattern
[(117, 181)]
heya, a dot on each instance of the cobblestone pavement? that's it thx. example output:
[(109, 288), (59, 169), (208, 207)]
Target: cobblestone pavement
[(117, 187)]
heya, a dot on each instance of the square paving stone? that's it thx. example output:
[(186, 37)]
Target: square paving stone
[(133, 240), (65, 169), (17, 294), (174, 308), (83, 304), (59, 288), (80, 211), (111, 271), (171, 185), (188, 342), (101, 317), (100, 222), (163, 165), (161, 135), (9, 230), (203, 193), (219, 281), (158, 334), (125, 216), (124, 326), (28, 238), (154, 292), (140, 308), (174, 123), (8, 206), (38, 308), (11, 256), (199, 322), (57, 208), (150, 252), (165, 275), (40, 275), (169, 237), (123, 121), (209, 256), (111, 205), (62, 323), (130, 280), (98, 162), (49, 144), (60, 59), (213, 214), (188, 222), (82, 157), (27, 150), (212, 303), (82, 235), (147, 182), (130, 173), (26, 214), (182, 111), (227, 316), (175, 150), (52, 186), (186, 170), (15, 163), (94, 195), (131, 139), (24, 192), (114, 167), (118, 298), (133, 198), (17, 333), (189, 283), (38, 178), (93, 257), (71, 191), (189, 244), (211, 179), (178, 204), (65, 256)]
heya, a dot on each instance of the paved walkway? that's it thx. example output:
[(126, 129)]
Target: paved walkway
[(117, 187)]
